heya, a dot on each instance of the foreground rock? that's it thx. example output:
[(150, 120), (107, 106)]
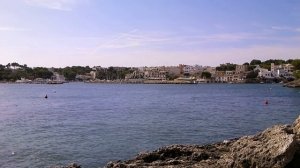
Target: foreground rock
[(293, 84), (276, 147)]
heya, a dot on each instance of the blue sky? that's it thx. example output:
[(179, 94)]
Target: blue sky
[(58, 33)]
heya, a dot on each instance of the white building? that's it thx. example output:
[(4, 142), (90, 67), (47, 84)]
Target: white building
[(57, 77), (284, 70), (264, 73), (93, 75)]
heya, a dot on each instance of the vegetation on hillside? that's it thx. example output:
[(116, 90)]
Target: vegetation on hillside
[(296, 64), (14, 71)]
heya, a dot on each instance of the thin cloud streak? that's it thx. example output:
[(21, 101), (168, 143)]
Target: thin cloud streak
[(221, 38), (285, 28)]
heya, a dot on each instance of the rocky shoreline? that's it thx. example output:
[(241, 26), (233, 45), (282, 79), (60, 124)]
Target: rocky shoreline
[(293, 84), (275, 147)]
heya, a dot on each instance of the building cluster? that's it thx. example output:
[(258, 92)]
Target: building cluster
[(277, 71), (178, 74), (87, 76), (235, 76), (193, 73), (55, 79)]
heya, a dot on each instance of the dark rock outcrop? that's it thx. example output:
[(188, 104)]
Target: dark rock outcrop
[(293, 84), (276, 147)]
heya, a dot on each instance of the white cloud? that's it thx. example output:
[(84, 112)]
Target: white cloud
[(63, 5), (285, 28)]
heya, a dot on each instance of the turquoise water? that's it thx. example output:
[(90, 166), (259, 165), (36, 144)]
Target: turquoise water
[(94, 123)]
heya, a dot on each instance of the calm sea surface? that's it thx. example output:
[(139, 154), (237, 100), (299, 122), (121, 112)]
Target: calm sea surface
[(92, 124)]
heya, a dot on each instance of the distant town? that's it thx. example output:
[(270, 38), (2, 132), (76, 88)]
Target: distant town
[(256, 71)]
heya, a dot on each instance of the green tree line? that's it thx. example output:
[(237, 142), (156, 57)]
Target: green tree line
[(113, 73), (15, 71)]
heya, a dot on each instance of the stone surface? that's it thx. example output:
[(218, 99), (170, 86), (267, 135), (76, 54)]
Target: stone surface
[(276, 147)]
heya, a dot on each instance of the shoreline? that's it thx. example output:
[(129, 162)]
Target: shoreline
[(277, 146), (293, 84), (290, 84)]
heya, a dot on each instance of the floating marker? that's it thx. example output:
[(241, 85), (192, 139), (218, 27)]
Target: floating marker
[(266, 102)]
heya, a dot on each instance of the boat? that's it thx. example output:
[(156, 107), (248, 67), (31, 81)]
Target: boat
[(55, 82)]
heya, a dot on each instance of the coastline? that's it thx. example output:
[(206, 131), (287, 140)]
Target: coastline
[(293, 84)]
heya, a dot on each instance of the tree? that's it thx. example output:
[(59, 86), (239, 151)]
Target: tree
[(69, 73), (206, 75), (252, 75), (171, 76), (8, 65), (226, 67), (296, 64), (14, 65), (266, 66), (41, 72), (2, 67), (101, 74), (289, 61), (255, 62), (275, 61)]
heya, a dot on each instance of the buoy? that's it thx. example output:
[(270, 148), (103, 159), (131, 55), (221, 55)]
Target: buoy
[(46, 97), (266, 102)]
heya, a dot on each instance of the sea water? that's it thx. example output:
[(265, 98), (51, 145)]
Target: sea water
[(92, 124)]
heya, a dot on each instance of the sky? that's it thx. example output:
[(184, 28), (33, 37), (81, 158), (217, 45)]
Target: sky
[(59, 33)]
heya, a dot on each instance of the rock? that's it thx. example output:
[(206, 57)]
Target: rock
[(72, 165), (276, 147), (293, 84), (296, 126), (296, 159)]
